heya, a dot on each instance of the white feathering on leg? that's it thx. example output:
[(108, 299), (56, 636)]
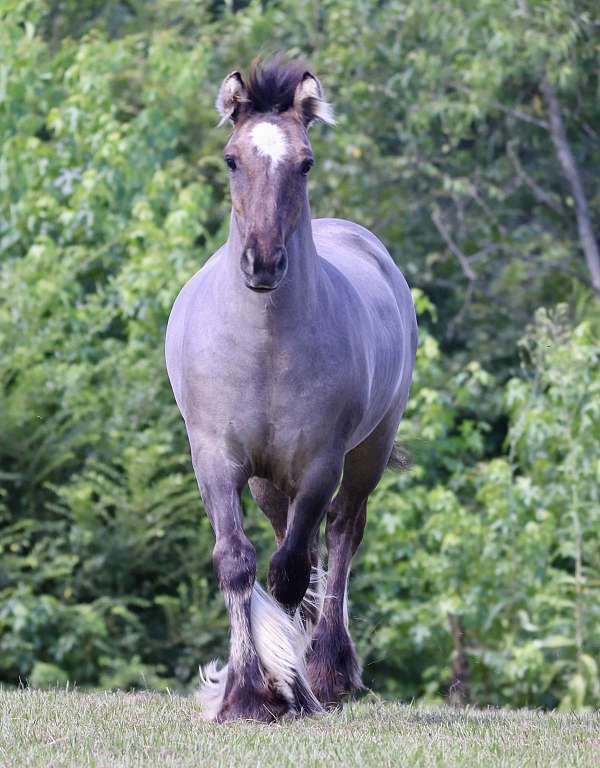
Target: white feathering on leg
[(280, 642), (212, 689), (314, 598)]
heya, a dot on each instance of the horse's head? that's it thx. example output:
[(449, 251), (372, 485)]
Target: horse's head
[(269, 157)]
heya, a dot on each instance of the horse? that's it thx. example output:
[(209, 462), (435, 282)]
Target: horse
[(290, 355)]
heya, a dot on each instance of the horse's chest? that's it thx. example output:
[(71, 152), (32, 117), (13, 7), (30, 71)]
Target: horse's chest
[(275, 405)]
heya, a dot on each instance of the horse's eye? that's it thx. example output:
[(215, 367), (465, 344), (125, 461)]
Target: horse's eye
[(231, 164), (306, 166)]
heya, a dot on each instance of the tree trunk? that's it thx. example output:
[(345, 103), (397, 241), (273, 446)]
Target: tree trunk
[(458, 691), (571, 174)]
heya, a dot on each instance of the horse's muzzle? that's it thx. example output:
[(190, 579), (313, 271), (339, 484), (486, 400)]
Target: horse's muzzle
[(262, 274)]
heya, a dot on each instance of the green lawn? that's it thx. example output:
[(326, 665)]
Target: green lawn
[(62, 728)]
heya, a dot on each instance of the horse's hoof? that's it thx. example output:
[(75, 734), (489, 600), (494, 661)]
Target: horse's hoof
[(252, 701), (260, 713), (334, 669)]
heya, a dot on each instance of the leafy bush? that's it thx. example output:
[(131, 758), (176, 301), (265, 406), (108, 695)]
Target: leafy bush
[(510, 545)]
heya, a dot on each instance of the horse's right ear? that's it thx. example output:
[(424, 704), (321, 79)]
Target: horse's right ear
[(231, 98)]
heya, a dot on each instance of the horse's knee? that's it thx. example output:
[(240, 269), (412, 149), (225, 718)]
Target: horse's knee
[(289, 576), (234, 563)]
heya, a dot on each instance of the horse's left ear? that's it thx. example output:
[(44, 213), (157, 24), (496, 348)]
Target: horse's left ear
[(309, 102)]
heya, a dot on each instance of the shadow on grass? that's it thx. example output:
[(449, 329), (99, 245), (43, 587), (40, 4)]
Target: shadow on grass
[(443, 715)]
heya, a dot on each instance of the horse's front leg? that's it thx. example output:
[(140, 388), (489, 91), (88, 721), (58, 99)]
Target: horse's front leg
[(244, 692), (297, 555), (275, 504)]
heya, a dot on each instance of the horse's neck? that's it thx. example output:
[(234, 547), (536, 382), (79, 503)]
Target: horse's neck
[(297, 296)]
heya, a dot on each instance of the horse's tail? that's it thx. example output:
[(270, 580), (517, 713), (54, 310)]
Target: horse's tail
[(399, 458)]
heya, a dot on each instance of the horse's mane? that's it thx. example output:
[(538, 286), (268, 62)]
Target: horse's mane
[(271, 84)]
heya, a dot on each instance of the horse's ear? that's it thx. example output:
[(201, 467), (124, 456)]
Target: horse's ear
[(309, 102), (231, 98)]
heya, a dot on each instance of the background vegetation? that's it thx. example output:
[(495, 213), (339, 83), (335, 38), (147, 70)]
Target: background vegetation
[(467, 139)]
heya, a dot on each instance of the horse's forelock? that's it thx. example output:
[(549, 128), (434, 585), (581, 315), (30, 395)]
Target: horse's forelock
[(272, 84)]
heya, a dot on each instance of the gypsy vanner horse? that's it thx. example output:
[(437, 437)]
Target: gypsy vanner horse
[(290, 354)]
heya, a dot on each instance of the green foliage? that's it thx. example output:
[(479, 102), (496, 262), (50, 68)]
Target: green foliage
[(509, 544), (104, 541), (112, 194)]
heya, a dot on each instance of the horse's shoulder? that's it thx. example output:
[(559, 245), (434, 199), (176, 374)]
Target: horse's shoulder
[(200, 276), (343, 229), (186, 295), (352, 248)]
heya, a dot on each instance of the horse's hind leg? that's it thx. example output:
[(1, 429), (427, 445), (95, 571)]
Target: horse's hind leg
[(334, 669)]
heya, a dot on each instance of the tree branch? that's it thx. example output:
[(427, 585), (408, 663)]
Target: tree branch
[(571, 174), (540, 195), (523, 116), (462, 259)]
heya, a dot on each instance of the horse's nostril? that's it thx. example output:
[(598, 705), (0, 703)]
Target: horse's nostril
[(280, 261), (250, 258)]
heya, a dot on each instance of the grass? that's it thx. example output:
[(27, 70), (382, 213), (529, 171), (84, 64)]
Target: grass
[(66, 728)]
